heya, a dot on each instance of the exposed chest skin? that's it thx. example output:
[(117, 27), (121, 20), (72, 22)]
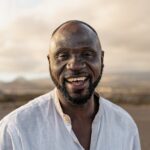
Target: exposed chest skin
[(82, 130)]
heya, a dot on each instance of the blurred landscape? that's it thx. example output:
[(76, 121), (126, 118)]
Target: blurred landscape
[(130, 90), (133, 88)]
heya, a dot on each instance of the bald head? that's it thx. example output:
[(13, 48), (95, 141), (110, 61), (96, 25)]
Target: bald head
[(73, 22), (76, 32)]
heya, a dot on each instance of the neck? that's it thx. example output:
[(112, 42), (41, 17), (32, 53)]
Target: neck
[(78, 112)]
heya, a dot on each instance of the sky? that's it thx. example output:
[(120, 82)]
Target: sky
[(26, 26)]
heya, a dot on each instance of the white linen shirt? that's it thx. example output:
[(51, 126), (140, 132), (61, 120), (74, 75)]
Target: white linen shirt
[(42, 125)]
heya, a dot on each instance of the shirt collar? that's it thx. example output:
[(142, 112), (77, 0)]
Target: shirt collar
[(66, 117)]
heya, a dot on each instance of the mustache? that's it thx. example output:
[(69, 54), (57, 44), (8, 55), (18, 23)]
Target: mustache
[(76, 74)]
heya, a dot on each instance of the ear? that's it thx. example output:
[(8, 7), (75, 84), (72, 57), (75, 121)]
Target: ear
[(102, 60), (48, 58), (102, 56)]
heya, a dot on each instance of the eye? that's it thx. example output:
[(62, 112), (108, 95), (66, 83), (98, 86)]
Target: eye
[(62, 56), (88, 54)]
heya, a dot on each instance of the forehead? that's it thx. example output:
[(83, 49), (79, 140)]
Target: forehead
[(74, 36)]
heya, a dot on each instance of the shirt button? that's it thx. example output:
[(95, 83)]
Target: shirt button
[(67, 119)]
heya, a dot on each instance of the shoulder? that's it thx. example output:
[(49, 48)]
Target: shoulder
[(118, 115), (34, 108)]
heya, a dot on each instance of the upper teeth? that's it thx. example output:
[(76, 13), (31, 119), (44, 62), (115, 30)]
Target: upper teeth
[(76, 79)]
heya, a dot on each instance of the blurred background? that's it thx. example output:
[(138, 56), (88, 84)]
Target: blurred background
[(124, 31)]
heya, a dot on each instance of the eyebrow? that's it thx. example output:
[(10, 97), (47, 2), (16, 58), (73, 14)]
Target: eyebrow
[(88, 48), (64, 49), (61, 50)]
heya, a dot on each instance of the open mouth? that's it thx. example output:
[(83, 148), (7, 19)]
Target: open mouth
[(76, 79), (77, 82)]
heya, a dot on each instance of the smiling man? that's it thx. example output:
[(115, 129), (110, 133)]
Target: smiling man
[(72, 116)]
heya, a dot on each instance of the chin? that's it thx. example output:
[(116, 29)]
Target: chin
[(78, 98)]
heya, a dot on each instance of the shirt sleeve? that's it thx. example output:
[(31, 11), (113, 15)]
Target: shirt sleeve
[(5, 138), (136, 142)]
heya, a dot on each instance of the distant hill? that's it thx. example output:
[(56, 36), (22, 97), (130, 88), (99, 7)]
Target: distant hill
[(22, 86), (126, 80), (120, 86)]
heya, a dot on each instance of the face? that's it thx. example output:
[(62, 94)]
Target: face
[(75, 62)]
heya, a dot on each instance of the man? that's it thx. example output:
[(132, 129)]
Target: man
[(72, 116)]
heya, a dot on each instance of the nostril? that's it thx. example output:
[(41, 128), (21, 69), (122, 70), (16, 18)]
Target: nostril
[(76, 65)]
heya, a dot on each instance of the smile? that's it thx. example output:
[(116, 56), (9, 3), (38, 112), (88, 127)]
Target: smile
[(76, 79), (77, 83)]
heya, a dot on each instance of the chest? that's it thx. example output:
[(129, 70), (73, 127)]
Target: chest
[(83, 132), (57, 137)]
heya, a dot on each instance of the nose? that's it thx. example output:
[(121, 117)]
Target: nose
[(76, 63)]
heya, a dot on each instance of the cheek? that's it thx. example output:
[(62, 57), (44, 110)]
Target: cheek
[(95, 67), (97, 71), (56, 71)]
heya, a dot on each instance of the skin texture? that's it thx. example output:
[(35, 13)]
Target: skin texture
[(75, 51)]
